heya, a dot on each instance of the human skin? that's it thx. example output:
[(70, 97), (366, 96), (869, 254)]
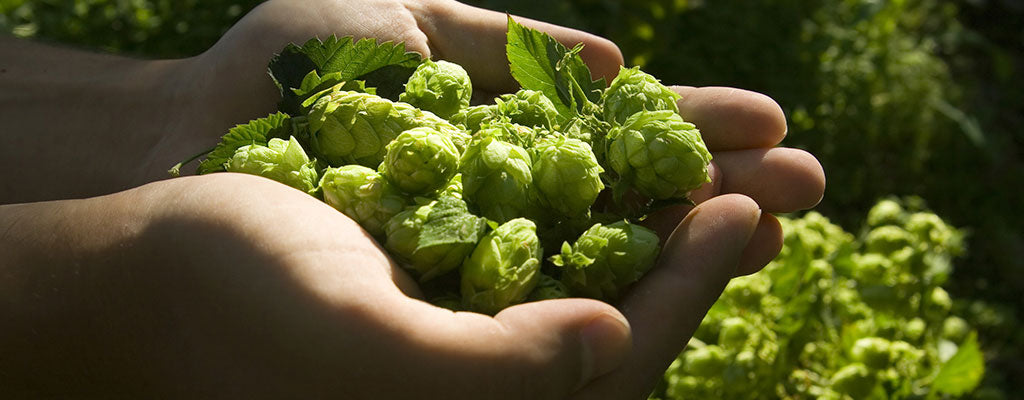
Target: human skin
[(118, 283)]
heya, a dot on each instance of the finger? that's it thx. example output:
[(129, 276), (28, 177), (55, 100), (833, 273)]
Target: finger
[(732, 119), (475, 38), (666, 306), (778, 179), (539, 350), (764, 245)]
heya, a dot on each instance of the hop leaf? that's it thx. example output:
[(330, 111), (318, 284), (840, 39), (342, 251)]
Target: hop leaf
[(433, 238)]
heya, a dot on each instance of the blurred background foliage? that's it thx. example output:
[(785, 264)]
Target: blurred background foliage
[(895, 97)]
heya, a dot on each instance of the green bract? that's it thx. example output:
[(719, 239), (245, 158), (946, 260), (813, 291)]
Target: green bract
[(420, 161), (280, 160), (566, 175), (529, 108), (607, 259), (496, 179), (362, 194), (471, 118), (354, 128), (503, 268), (440, 87), (633, 91), (663, 156), (506, 131), (404, 241)]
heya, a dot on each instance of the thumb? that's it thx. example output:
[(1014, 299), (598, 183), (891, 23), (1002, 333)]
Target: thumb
[(667, 305), (538, 350)]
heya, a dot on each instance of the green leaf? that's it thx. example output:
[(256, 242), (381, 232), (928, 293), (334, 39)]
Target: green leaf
[(340, 59), (962, 373), (257, 131), (539, 62), (451, 222)]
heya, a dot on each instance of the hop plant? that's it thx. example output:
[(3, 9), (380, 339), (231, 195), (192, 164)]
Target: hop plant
[(440, 87), (280, 160), (497, 179), (633, 91), (566, 175), (362, 194), (354, 128), (420, 161), (661, 155), (605, 260), (503, 268)]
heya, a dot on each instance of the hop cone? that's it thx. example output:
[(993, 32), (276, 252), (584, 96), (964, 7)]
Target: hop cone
[(607, 259), (282, 161), (633, 91), (403, 242), (363, 195), (440, 87), (529, 108), (496, 179), (472, 118), (420, 161), (354, 128), (503, 268), (663, 156), (566, 175)]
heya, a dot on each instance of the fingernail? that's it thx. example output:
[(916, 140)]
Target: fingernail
[(606, 341)]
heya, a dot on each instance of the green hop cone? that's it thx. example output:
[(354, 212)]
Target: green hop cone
[(420, 161), (566, 175), (633, 91), (355, 128), (280, 160), (506, 131), (528, 108), (661, 155), (497, 179), (503, 269), (607, 259), (440, 87), (475, 117), (363, 195), (429, 259)]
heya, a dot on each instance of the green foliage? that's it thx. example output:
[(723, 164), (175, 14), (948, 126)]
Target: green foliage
[(156, 28), (810, 326)]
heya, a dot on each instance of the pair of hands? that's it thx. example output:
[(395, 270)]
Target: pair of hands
[(234, 285)]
